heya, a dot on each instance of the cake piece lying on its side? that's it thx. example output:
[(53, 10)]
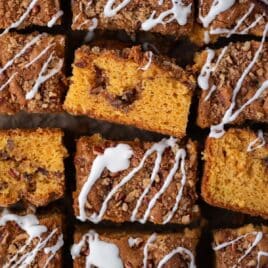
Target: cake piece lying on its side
[(22, 14), (128, 86), (229, 18), (129, 249), (168, 18), (234, 83), (135, 181), (236, 172), (31, 241), (31, 166), (31, 73), (243, 247)]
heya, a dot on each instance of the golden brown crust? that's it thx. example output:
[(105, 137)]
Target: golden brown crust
[(129, 18), (122, 204), (41, 13), (98, 90), (22, 71), (229, 256), (12, 238), (230, 177), (133, 256), (236, 59), (32, 167)]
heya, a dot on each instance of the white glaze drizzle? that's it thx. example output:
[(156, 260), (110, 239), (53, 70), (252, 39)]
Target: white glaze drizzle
[(178, 12), (115, 159), (175, 251), (265, 1), (21, 52), (132, 242), (168, 256), (40, 55), (109, 11), (106, 255), (53, 249), (101, 253), (81, 11), (240, 21), (216, 131), (42, 77), (209, 68), (217, 7), (21, 18), (54, 19), (148, 64), (100, 163), (147, 46), (258, 238), (159, 148), (260, 139), (29, 224), (150, 240), (8, 81), (260, 254)]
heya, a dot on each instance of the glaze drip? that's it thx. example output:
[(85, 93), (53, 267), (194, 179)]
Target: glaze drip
[(115, 155), (34, 230), (258, 238)]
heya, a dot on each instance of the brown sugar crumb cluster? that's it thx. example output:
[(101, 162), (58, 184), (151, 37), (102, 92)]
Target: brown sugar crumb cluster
[(31, 73), (31, 166), (231, 246), (123, 202), (138, 249), (87, 15), (230, 68), (39, 12)]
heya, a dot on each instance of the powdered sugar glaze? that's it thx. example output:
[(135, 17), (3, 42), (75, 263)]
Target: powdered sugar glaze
[(117, 159)]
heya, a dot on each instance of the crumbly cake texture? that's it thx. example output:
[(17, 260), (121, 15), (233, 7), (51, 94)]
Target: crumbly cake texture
[(20, 14), (142, 190), (236, 172), (231, 246), (31, 73), (42, 234), (232, 18), (131, 87), (128, 249), (233, 79), (31, 166), (167, 18)]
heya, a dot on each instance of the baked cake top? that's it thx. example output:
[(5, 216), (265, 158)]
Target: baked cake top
[(17, 14), (172, 17), (234, 83)]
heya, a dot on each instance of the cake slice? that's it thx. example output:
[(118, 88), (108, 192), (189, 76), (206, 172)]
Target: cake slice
[(131, 87), (167, 17), (28, 240), (135, 181), (243, 247), (31, 73), (24, 13), (228, 18), (234, 83), (134, 249), (31, 166), (236, 172)]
